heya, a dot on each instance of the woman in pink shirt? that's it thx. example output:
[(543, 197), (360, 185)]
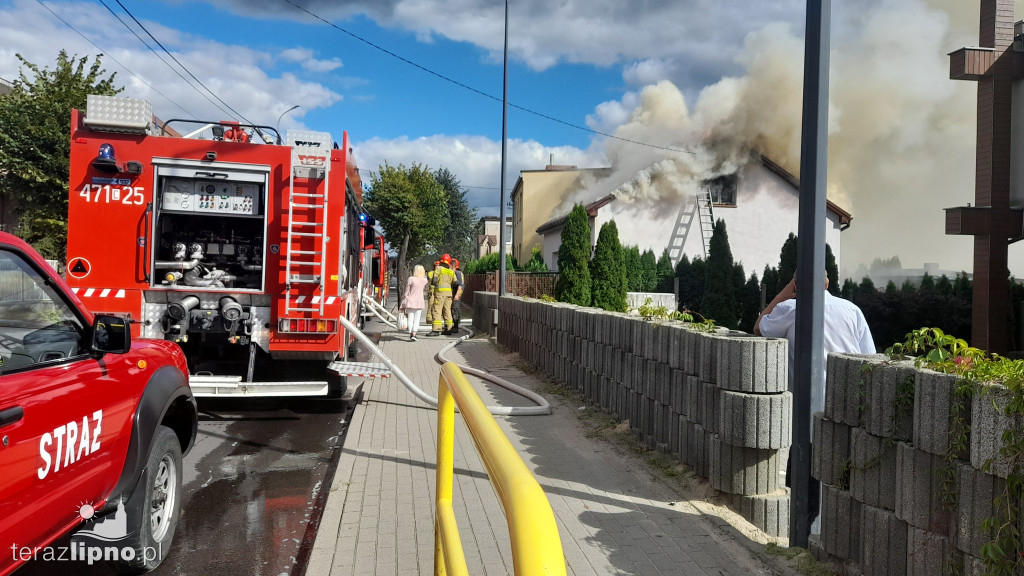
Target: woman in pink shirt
[(412, 302)]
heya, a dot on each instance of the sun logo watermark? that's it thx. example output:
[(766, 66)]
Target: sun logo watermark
[(101, 539)]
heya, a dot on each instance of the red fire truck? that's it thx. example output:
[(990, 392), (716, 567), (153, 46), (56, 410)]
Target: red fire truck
[(243, 251)]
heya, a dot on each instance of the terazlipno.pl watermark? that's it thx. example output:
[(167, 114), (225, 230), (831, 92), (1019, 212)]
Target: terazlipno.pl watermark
[(81, 552)]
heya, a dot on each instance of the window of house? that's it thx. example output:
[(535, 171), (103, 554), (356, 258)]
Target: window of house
[(722, 189)]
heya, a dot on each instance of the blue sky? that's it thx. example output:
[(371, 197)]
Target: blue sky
[(682, 74)]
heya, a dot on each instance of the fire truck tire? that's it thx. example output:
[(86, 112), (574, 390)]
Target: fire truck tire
[(161, 480)]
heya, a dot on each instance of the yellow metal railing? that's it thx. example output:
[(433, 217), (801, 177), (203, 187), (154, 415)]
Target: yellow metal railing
[(536, 546)]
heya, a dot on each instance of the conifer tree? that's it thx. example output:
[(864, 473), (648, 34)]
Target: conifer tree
[(750, 303), (608, 270), (770, 280), (573, 284), (634, 272), (962, 287), (831, 271), (787, 261), (649, 268), (665, 274), (850, 290), (691, 283), (720, 296), (719, 302)]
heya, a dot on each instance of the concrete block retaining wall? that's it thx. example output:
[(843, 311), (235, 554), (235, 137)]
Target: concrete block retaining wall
[(882, 450), (718, 401), (896, 498)]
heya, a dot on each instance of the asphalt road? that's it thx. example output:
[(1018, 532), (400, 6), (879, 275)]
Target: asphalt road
[(254, 486)]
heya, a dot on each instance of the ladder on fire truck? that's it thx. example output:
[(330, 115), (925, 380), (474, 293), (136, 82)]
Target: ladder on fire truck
[(311, 153), (697, 207)]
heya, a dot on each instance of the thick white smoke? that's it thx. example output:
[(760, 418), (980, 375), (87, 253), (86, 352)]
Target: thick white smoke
[(901, 133)]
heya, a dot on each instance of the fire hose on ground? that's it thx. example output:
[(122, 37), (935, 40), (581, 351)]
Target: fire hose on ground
[(543, 407)]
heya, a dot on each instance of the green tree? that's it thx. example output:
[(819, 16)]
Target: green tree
[(412, 208), (608, 270), (488, 263), (927, 284), (649, 270), (634, 271), (536, 263), (691, 282), (665, 274), (850, 289), (772, 283), (962, 287), (719, 302), (35, 124), (831, 271), (787, 261), (750, 303), (573, 284), (458, 234), (944, 286)]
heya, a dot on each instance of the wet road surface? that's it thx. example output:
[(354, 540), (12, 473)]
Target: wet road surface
[(253, 487)]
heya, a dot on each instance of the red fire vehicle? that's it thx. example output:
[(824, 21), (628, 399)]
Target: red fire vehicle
[(243, 251), (375, 260), (93, 424)]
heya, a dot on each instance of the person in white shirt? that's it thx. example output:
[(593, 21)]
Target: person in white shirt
[(845, 330)]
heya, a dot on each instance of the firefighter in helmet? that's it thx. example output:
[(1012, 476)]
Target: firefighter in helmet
[(457, 288), (441, 313), (430, 293)]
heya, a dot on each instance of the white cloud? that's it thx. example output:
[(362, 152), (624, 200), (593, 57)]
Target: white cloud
[(649, 71), (304, 57), (238, 74), (708, 33)]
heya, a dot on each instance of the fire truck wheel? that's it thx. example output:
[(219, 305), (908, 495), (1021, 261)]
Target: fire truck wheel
[(151, 538)]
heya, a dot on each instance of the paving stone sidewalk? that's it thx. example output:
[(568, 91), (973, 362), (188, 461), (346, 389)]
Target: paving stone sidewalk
[(613, 516)]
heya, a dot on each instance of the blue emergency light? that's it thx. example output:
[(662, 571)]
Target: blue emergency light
[(105, 160)]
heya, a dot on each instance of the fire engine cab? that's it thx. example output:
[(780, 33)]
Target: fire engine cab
[(243, 251)]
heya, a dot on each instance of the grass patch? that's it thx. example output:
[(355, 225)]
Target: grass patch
[(801, 560)]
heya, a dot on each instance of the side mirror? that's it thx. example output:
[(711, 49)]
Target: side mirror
[(111, 334)]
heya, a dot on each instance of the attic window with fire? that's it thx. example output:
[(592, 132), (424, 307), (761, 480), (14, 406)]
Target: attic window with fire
[(722, 189)]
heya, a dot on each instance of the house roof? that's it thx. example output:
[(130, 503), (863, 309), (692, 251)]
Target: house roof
[(591, 209), (482, 239), (843, 215)]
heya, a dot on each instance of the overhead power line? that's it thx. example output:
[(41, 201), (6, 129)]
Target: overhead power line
[(108, 55), (475, 90), (183, 67)]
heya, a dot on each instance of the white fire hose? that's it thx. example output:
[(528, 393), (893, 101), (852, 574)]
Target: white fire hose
[(543, 408)]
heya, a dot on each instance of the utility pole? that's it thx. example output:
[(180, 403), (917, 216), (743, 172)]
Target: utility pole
[(504, 153), (810, 281)]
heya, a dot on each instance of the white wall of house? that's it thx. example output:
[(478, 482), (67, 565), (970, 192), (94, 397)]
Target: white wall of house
[(758, 224)]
